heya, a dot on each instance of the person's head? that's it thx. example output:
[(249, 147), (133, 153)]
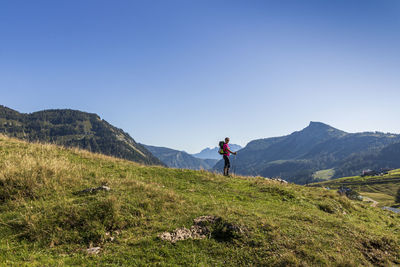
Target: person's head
[(227, 140)]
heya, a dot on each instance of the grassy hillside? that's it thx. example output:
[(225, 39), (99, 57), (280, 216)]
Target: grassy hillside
[(43, 221), (324, 174), (380, 188)]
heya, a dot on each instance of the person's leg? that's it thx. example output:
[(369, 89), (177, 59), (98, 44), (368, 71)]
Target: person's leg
[(226, 160), (227, 165)]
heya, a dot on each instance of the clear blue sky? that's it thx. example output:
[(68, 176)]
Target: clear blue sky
[(184, 74)]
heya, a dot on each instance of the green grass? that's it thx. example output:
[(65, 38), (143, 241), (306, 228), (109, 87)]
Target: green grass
[(383, 188), (382, 199), (324, 174), (43, 223)]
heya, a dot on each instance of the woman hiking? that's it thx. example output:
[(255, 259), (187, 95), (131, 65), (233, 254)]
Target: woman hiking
[(226, 153)]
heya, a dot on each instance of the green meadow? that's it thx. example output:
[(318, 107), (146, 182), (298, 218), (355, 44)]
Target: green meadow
[(45, 221), (382, 189)]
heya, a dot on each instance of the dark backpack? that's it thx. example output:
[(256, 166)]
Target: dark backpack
[(221, 148)]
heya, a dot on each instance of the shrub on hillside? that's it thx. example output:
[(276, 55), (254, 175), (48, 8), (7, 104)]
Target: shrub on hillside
[(86, 221)]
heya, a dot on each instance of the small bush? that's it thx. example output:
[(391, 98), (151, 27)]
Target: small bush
[(327, 207), (219, 228), (398, 196), (225, 231), (79, 223), (13, 188)]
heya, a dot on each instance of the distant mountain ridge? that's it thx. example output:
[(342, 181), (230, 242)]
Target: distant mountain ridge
[(212, 153), (296, 157), (73, 128), (180, 159)]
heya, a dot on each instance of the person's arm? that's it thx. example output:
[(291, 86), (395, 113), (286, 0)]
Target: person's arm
[(234, 153)]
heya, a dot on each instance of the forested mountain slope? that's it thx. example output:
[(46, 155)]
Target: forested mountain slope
[(73, 128)]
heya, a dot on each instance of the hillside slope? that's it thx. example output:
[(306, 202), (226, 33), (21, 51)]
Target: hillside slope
[(73, 128), (180, 159), (48, 219), (318, 147), (388, 157), (380, 188)]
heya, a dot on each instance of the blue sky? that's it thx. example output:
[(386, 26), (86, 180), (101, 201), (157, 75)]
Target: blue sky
[(185, 74)]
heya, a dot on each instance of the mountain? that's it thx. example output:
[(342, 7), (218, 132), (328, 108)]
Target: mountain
[(180, 159), (385, 158), (62, 207), (212, 153), (72, 128), (318, 147)]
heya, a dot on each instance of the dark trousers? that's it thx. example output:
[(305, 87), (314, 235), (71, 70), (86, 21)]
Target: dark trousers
[(227, 162), (227, 165)]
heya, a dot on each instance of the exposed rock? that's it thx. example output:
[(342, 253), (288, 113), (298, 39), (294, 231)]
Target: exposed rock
[(199, 232), (93, 190), (202, 220), (93, 250), (277, 180), (350, 193), (109, 237), (178, 234), (204, 227)]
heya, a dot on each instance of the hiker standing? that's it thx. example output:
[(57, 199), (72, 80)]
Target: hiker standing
[(226, 153)]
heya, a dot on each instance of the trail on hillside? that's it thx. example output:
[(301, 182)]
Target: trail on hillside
[(368, 199)]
